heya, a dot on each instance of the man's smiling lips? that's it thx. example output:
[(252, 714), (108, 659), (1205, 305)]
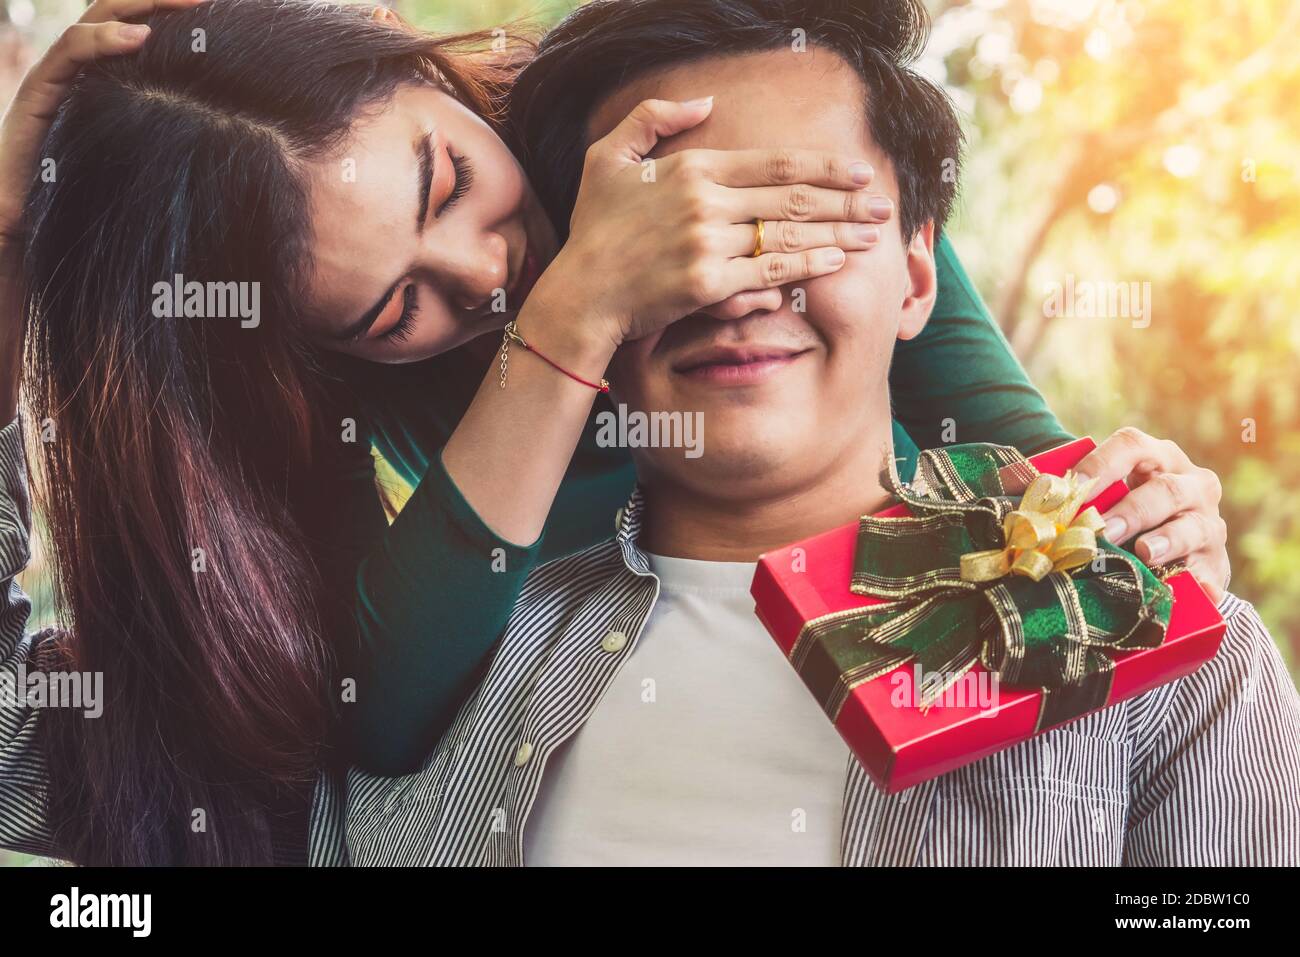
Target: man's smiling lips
[(736, 365)]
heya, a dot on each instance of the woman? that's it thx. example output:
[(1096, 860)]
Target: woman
[(212, 510)]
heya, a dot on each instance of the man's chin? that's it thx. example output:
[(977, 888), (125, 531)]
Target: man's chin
[(743, 461)]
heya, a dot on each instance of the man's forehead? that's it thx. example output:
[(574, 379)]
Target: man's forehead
[(810, 99)]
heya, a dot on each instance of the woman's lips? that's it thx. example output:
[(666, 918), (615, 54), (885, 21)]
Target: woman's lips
[(739, 368)]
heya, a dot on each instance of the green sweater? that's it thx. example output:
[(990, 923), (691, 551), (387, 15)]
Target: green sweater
[(434, 590)]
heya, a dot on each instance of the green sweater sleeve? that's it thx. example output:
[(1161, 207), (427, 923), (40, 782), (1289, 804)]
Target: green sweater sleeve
[(961, 368), (433, 592)]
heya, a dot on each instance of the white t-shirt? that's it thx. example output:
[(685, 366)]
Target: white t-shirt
[(706, 749)]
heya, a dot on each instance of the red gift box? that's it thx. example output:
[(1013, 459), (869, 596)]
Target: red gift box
[(903, 745)]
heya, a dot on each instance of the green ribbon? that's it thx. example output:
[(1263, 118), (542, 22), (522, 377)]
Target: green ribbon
[(1059, 635)]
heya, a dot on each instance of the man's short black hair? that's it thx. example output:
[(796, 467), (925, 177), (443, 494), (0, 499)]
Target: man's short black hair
[(607, 43)]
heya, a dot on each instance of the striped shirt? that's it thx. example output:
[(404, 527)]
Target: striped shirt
[(1202, 771)]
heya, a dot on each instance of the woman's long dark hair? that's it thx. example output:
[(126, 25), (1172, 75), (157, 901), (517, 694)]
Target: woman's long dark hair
[(176, 483)]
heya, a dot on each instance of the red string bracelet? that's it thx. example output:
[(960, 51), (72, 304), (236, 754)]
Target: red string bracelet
[(512, 335)]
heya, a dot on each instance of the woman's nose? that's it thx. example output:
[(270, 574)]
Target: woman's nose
[(472, 271)]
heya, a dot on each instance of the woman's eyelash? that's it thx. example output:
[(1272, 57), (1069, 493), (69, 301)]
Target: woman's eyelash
[(464, 180), (405, 324)]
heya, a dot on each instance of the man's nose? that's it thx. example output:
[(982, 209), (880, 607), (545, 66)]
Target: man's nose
[(472, 271), (744, 304)]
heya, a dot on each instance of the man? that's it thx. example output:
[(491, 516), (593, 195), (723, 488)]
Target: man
[(636, 712)]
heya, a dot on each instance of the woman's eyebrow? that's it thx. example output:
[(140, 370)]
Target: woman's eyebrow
[(425, 165), (425, 159)]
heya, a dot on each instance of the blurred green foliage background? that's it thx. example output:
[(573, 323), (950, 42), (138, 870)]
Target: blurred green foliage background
[(1147, 141)]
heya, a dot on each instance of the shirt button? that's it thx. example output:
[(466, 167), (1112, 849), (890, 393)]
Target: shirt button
[(614, 641), (522, 754)]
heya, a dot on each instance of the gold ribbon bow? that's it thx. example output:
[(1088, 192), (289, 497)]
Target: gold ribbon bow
[(1047, 533)]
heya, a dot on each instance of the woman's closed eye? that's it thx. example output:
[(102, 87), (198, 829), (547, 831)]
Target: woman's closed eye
[(464, 179), (400, 331)]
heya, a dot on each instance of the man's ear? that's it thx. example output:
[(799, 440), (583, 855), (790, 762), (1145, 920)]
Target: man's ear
[(924, 281)]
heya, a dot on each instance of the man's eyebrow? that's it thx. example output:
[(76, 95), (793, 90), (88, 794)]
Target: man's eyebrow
[(425, 165)]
